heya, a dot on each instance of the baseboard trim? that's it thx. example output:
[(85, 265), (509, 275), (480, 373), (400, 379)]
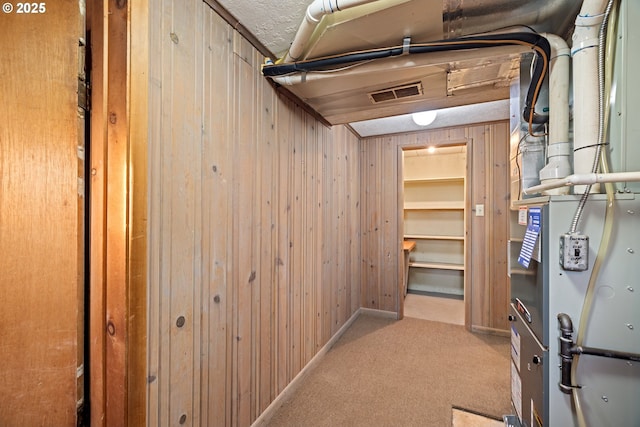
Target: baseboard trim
[(490, 331), (291, 388), (379, 313)]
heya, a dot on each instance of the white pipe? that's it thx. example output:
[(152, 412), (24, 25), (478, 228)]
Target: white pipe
[(315, 12), (558, 153), (585, 179), (585, 86)]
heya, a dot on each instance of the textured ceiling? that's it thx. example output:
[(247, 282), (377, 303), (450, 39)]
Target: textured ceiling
[(273, 22)]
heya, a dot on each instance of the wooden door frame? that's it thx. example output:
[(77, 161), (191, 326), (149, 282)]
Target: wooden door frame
[(118, 204), (468, 143), (400, 203)]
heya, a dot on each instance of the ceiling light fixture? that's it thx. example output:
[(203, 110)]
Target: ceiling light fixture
[(424, 118), (431, 149)]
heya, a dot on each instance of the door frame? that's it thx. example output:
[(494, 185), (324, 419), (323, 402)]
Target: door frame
[(119, 40), (467, 288)]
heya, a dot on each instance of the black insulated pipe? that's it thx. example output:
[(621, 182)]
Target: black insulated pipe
[(535, 41), (601, 352), (464, 43), (566, 356), (568, 349)]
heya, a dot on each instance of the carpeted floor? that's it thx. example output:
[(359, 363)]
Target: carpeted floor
[(383, 372)]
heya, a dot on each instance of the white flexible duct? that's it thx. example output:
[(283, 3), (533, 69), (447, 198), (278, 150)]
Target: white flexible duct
[(315, 12), (558, 164), (585, 179), (585, 86)]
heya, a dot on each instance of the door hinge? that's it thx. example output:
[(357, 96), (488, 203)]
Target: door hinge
[(84, 99), (82, 415), (84, 95)]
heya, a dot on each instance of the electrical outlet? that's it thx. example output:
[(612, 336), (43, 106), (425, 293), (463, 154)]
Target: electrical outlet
[(574, 252)]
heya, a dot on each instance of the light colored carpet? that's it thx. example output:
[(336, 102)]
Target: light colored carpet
[(447, 310), (411, 372), (460, 418)]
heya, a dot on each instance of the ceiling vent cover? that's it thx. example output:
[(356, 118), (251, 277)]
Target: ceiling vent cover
[(398, 92)]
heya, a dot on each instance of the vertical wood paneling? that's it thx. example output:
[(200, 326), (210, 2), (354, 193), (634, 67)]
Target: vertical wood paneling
[(156, 65), (283, 254), (184, 146), (244, 124), (328, 226), (381, 233), (267, 306), (320, 306), (137, 213), (97, 278), (500, 292), (390, 241), (116, 155), (253, 206), (480, 301), (354, 231), (40, 209), (308, 296), (218, 165)]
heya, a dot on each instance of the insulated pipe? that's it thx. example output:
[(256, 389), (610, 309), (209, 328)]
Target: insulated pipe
[(585, 179), (568, 349), (533, 40), (315, 12), (566, 342), (558, 152), (585, 86)]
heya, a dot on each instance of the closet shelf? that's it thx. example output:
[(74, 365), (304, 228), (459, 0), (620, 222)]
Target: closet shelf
[(434, 179), (434, 205), (432, 237), (437, 265), (434, 194)]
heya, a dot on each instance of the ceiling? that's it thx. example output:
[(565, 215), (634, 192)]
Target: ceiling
[(272, 22), (446, 80)]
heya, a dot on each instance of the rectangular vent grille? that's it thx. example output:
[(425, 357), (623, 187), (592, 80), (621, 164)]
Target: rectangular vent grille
[(398, 92)]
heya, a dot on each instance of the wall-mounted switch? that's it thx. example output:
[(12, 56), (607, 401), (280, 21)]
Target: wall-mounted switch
[(574, 251), (479, 210)]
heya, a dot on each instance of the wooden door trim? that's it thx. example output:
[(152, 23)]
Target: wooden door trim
[(468, 289), (400, 222), (468, 267), (118, 277)]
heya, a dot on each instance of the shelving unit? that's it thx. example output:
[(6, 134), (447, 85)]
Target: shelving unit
[(434, 217)]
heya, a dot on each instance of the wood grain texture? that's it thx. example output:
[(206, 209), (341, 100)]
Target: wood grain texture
[(253, 210), (40, 212), (118, 281), (138, 212), (486, 281), (97, 296), (116, 207)]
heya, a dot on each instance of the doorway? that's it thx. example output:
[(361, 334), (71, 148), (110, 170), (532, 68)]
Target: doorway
[(434, 207)]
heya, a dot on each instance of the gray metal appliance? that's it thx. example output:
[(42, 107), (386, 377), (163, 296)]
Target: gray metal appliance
[(608, 388)]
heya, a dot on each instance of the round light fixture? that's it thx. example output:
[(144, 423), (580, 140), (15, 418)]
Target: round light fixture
[(424, 118)]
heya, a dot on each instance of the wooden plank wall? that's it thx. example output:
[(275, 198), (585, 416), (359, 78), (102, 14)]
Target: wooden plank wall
[(254, 225), (41, 217), (490, 233), (381, 222), (118, 223)]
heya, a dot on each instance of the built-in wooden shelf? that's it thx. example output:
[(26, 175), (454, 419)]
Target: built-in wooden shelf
[(440, 266), (434, 179), (434, 205), (434, 217), (432, 237)]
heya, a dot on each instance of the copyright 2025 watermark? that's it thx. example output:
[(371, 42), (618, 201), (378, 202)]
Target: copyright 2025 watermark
[(24, 8)]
